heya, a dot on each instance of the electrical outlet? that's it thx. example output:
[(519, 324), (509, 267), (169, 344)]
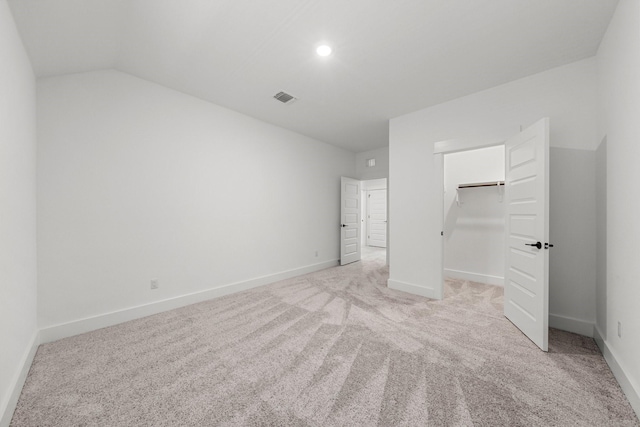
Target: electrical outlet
[(155, 284), (619, 330), (316, 254)]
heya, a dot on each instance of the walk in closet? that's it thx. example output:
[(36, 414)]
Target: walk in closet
[(474, 215)]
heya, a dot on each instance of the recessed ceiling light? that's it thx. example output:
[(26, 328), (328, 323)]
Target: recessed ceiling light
[(323, 50)]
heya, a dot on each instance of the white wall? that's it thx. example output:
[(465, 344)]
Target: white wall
[(567, 95), (572, 229), (474, 227), (601, 238), (375, 184), (138, 182), (18, 330), (380, 170), (619, 84)]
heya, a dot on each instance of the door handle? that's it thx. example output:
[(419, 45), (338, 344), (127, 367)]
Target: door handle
[(548, 245), (343, 225), (537, 245)]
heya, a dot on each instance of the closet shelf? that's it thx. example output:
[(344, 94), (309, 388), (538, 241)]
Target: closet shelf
[(481, 184), (498, 184)]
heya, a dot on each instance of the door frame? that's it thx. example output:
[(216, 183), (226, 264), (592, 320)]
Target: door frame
[(440, 148), (363, 192), (362, 208), (538, 129)]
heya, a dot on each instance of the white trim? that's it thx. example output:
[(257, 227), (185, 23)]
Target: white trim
[(412, 289), (438, 181), (570, 324), (9, 405), (597, 336), (495, 137), (628, 386), (474, 277), (63, 330)]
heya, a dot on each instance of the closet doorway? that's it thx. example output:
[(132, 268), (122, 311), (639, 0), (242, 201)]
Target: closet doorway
[(525, 217), (474, 215)]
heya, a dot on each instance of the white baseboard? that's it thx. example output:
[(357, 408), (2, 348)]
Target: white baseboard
[(569, 324), (412, 289), (474, 277), (9, 405), (597, 336), (56, 332), (628, 386)]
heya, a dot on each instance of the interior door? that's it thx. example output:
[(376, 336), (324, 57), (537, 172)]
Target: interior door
[(349, 221), (526, 292), (377, 218)]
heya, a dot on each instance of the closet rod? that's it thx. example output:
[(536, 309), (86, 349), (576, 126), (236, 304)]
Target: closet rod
[(482, 184)]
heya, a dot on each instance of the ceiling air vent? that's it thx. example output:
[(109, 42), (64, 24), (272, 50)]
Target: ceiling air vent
[(284, 97)]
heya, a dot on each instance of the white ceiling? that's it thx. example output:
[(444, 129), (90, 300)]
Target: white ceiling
[(390, 57)]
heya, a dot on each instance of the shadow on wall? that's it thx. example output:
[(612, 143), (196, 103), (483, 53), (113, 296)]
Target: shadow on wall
[(601, 239)]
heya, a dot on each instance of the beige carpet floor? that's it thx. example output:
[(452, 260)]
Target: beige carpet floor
[(332, 348)]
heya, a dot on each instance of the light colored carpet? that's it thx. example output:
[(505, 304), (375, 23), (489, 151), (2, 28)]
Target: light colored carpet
[(332, 348)]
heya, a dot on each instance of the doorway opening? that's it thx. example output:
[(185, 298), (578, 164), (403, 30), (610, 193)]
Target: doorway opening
[(474, 216), (374, 213), (474, 232), (374, 220), (526, 224), (363, 220)]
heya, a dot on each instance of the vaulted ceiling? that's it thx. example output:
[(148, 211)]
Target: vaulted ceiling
[(390, 57)]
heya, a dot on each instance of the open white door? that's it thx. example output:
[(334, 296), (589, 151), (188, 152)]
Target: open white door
[(377, 218), (350, 221), (526, 290)]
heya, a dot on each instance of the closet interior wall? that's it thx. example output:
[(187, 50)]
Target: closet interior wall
[(474, 217)]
